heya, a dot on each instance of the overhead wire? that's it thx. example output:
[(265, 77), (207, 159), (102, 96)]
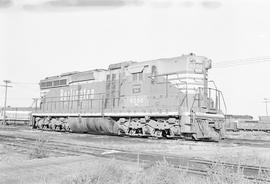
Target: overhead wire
[(238, 62), (25, 83)]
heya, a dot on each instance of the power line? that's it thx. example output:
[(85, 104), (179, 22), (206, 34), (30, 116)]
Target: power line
[(238, 62), (244, 60), (25, 83)]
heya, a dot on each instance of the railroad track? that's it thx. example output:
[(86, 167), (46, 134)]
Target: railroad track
[(252, 142), (247, 142), (191, 165)]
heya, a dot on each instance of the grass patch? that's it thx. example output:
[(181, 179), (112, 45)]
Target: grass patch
[(161, 173), (40, 149), (218, 173), (104, 173)]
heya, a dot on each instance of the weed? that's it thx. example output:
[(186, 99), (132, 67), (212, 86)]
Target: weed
[(105, 173), (161, 173), (40, 149), (220, 174)]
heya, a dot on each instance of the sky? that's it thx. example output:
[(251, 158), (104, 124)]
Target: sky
[(40, 38)]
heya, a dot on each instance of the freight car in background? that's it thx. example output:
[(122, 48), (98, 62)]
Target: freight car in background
[(16, 115), (247, 123), (167, 97)]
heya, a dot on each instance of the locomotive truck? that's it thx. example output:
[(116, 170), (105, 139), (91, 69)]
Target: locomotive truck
[(168, 97)]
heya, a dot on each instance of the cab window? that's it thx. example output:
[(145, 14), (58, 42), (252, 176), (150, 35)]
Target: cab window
[(137, 76)]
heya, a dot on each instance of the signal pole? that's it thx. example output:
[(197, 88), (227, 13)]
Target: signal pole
[(5, 103), (266, 101)]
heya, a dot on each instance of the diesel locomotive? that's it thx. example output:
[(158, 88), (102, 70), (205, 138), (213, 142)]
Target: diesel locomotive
[(168, 97)]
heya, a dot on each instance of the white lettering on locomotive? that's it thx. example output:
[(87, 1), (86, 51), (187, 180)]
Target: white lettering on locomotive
[(74, 94), (137, 100)]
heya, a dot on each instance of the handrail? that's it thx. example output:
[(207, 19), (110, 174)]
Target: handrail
[(224, 102), (209, 97)]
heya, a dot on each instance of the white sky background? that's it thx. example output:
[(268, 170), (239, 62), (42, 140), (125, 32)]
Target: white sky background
[(40, 39)]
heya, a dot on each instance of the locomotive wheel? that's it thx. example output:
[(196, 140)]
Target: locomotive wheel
[(53, 127), (164, 133), (194, 136), (132, 132), (46, 127), (171, 133), (152, 132), (158, 133), (63, 128), (38, 126), (119, 132), (57, 128), (60, 127), (67, 128)]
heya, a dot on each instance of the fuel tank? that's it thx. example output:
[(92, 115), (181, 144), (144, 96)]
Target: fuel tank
[(100, 125)]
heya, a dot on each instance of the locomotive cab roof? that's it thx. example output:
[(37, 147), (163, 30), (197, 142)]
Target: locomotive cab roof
[(189, 63)]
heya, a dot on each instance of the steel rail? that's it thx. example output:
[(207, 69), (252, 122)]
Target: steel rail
[(195, 166)]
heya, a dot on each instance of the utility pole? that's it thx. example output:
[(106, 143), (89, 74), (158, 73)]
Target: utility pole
[(5, 103), (266, 101)]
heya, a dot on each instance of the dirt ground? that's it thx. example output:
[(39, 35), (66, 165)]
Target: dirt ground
[(51, 170), (17, 167)]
